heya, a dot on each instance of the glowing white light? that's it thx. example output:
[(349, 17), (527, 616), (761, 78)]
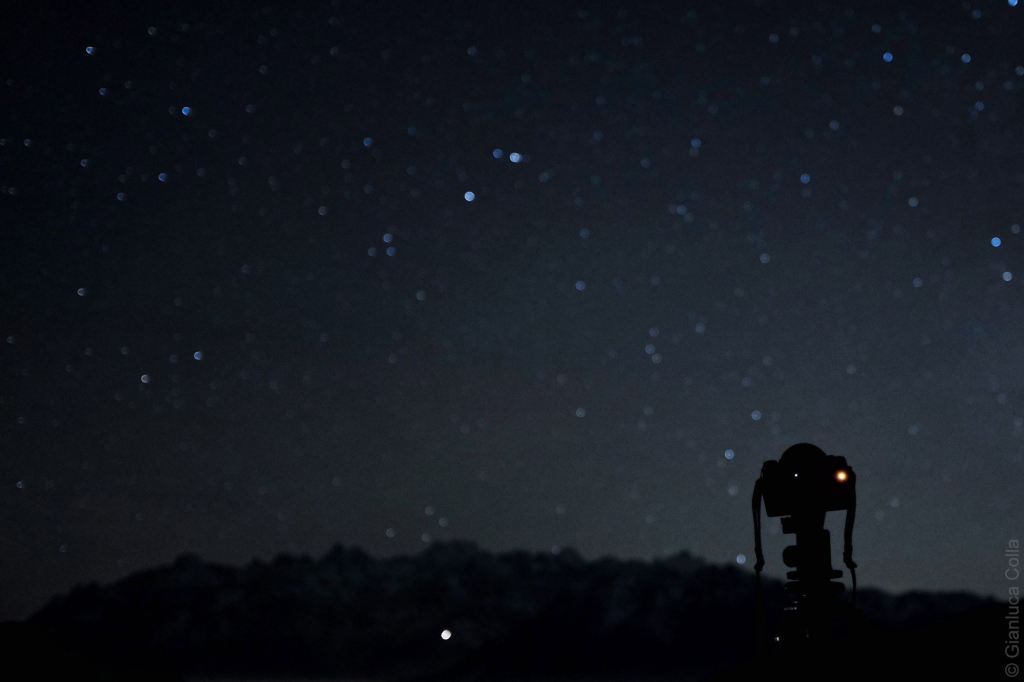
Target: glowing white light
[(1007, 276), (515, 157), (446, 634), (469, 196), (729, 454), (741, 559)]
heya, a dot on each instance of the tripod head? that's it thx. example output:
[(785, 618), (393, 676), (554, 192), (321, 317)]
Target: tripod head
[(802, 486)]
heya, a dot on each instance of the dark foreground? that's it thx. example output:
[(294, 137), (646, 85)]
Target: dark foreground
[(515, 616)]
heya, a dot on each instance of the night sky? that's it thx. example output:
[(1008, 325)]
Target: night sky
[(535, 275)]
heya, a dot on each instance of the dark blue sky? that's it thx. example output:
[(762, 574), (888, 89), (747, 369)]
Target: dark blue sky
[(535, 276)]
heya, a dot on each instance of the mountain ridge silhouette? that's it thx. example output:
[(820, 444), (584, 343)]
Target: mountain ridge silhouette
[(515, 615)]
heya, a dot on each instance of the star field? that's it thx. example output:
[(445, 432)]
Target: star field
[(533, 275)]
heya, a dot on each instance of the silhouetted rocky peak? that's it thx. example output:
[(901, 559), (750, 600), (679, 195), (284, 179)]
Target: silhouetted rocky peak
[(511, 614)]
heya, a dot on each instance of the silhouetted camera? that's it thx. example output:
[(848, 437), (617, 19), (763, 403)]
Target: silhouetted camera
[(801, 487), (804, 480)]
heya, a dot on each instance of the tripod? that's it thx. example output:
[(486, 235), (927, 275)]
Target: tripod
[(814, 615)]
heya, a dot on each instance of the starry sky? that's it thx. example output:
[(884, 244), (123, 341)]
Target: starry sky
[(535, 275)]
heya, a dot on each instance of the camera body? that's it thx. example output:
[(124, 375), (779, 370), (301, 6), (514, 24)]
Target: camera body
[(806, 480), (802, 486)]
